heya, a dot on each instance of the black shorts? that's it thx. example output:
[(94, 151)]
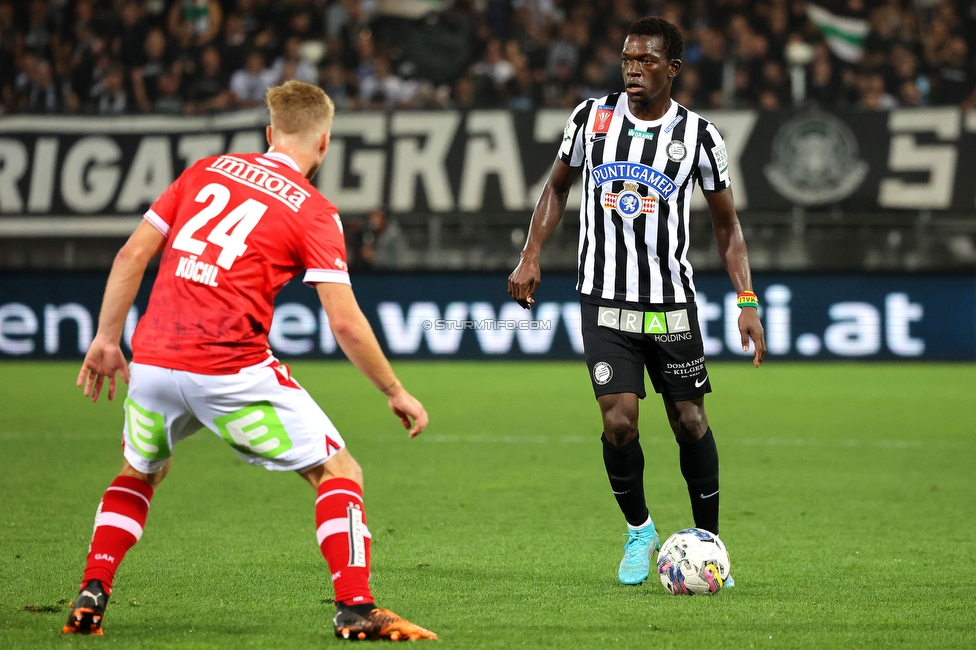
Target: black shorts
[(621, 339)]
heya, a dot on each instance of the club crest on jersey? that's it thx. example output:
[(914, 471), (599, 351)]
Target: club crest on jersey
[(636, 172), (629, 204), (601, 123), (677, 150)]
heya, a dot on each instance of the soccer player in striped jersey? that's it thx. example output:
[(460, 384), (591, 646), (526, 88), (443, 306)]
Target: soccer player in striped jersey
[(640, 154), (233, 230)]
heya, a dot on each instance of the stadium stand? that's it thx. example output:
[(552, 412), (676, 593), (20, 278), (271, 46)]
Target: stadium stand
[(206, 57), (111, 57)]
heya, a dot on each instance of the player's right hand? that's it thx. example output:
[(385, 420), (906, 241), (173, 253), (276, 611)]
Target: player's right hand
[(524, 280), (406, 407), (104, 359)]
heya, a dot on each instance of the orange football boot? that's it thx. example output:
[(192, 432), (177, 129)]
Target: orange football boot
[(378, 624)]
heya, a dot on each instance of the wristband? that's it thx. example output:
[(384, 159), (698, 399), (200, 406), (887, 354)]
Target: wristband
[(747, 299)]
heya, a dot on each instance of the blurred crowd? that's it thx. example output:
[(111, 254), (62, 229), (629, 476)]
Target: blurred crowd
[(189, 57)]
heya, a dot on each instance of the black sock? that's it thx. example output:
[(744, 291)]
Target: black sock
[(625, 468), (699, 466), (362, 610)]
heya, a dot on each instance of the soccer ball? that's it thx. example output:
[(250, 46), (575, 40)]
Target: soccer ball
[(693, 561)]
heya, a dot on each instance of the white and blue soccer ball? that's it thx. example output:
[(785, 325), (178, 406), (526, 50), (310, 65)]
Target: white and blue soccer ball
[(693, 562)]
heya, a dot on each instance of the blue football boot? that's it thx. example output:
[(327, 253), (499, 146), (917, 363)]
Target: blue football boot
[(640, 547)]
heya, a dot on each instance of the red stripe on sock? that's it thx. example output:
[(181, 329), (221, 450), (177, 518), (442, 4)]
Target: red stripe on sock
[(128, 497), (335, 503)]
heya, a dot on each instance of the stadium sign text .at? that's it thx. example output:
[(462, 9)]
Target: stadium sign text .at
[(806, 317)]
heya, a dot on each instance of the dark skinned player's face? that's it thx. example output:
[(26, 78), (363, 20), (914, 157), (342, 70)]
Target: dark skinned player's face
[(646, 68)]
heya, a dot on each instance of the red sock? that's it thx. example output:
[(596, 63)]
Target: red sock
[(119, 521), (340, 519)]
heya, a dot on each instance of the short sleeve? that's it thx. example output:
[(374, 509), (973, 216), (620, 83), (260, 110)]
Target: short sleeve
[(571, 150), (324, 250), (713, 159), (162, 213)]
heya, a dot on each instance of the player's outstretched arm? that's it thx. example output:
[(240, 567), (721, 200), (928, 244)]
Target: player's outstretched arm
[(104, 357), (732, 248), (526, 277), (356, 338)]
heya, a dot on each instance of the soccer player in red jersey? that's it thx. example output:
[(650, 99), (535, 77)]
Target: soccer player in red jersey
[(233, 230)]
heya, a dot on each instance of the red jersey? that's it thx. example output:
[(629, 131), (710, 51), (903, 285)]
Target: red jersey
[(238, 227)]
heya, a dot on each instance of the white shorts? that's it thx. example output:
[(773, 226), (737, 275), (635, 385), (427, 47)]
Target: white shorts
[(261, 412)]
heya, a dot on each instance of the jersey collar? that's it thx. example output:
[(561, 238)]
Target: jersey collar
[(282, 158), (668, 115)]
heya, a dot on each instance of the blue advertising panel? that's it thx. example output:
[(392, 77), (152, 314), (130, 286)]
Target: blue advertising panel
[(470, 316)]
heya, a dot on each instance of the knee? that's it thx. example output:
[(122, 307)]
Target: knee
[(620, 426), (343, 465), (355, 472), (153, 479), (690, 425)]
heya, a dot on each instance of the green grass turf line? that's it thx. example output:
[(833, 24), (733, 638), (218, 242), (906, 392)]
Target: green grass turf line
[(847, 501)]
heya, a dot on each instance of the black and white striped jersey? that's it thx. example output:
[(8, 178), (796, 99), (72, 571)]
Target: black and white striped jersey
[(638, 179)]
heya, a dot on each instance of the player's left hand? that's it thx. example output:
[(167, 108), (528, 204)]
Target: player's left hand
[(750, 327), (104, 359), (405, 406)]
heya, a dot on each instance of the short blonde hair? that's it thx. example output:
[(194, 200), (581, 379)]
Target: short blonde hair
[(297, 107)]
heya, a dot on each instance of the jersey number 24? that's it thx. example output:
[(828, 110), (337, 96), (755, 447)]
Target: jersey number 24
[(241, 219)]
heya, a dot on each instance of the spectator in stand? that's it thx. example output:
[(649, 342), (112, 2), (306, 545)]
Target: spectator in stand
[(774, 85), (687, 87), (169, 101), (874, 96), (109, 95), (202, 19), (823, 82), (492, 74), (235, 43), (524, 91), (385, 90), (208, 90), (363, 240), (333, 80), (363, 60), (564, 52), (901, 68), (954, 81), (560, 91), (711, 68), (145, 77), (254, 17), (302, 70), (129, 45), (40, 94), (85, 36), (26, 71), (249, 84), (593, 82), (39, 37)]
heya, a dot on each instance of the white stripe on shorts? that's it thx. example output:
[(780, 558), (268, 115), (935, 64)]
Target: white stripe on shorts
[(335, 527), (127, 524), (122, 489)]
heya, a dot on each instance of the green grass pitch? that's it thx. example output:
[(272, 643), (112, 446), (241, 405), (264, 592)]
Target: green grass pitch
[(848, 506)]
